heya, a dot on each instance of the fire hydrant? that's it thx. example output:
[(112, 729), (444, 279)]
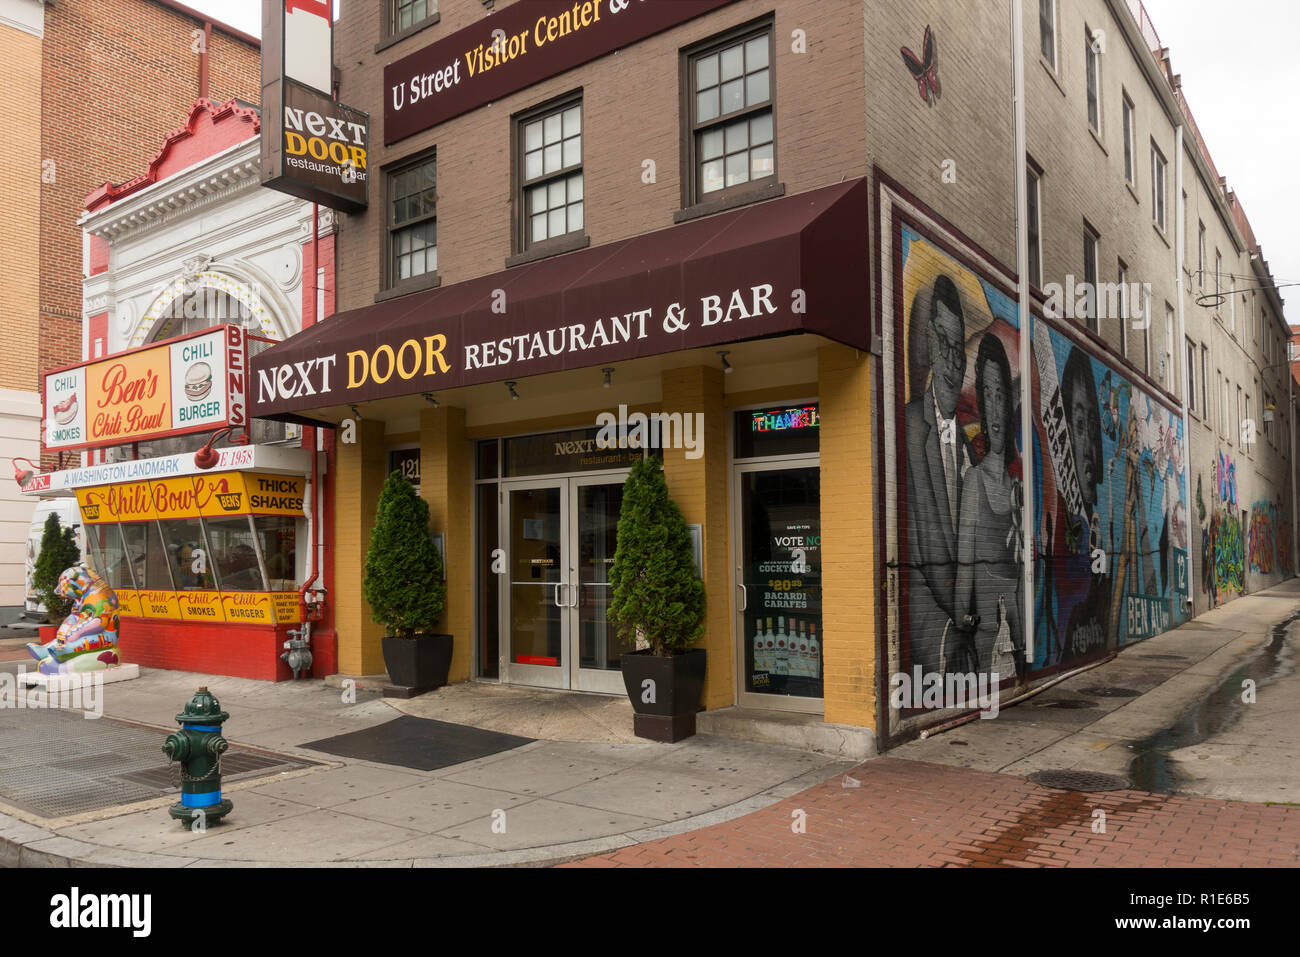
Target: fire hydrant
[(198, 746), (298, 651)]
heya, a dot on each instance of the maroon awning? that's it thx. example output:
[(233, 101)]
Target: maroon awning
[(791, 265)]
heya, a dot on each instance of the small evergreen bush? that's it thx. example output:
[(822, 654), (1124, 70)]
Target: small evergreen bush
[(403, 580), (59, 552), (656, 593)]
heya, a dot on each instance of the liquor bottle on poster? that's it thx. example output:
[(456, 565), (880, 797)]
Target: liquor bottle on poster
[(814, 655), (769, 647), (792, 643), (782, 664), (760, 646), (803, 669)]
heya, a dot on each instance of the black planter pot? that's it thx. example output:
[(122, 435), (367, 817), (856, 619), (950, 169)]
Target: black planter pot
[(678, 684), (417, 664)]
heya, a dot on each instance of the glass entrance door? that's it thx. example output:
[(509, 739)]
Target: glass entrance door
[(779, 563), (561, 536)]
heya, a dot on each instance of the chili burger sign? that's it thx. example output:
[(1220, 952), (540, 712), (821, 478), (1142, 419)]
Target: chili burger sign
[(194, 383), (523, 44)]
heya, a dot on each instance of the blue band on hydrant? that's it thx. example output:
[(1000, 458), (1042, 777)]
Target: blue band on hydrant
[(201, 727), (201, 800)]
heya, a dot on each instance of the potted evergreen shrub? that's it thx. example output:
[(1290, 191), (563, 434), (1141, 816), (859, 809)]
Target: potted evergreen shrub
[(407, 594), (657, 605), (59, 551)]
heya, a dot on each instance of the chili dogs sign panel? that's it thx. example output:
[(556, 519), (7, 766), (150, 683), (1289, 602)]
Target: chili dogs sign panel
[(521, 45), (196, 383)]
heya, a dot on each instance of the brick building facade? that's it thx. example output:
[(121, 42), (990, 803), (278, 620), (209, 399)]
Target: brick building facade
[(882, 138)]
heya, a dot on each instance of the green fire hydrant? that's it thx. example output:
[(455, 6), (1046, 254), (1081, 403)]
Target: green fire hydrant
[(198, 746)]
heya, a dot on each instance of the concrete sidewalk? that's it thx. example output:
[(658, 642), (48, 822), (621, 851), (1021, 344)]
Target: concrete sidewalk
[(557, 798)]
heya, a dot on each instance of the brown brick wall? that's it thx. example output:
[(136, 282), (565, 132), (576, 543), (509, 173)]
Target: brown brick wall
[(116, 77)]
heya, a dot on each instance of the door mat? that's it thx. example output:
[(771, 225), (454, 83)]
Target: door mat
[(422, 744)]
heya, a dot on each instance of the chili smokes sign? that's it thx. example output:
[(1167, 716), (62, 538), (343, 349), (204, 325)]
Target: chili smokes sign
[(523, 44), (195, 383)]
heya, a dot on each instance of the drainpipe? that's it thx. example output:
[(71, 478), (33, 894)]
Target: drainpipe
[(1180, 252), (1026, 323), (314, 497)]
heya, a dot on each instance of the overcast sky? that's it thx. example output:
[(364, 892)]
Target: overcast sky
[(1240, 75)]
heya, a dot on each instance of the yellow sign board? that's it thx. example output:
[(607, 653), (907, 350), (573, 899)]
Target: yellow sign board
[(211, 496), (201, 606)]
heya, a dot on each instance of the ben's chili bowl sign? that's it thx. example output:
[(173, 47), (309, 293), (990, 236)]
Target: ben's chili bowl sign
[(463, 355), (195, 383)]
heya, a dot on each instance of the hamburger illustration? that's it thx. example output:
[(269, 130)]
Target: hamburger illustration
[(66, 410), (198, 381)]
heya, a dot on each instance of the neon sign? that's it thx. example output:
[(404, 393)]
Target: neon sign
[(785, 420)]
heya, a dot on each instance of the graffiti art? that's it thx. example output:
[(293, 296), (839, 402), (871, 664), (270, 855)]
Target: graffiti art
[(925, 68), (1106, 471)]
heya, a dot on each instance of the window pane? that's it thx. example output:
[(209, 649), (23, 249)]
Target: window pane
[(555, 194), (573, 121), (184, 539), (761, 162), (760, 129), (575, 187), (573, 151), (706, 71), (575, 217), (706, 106), (533, 135), (234, 555), (555, 222), (756, 90), (537, 199), (737, 169), (538, 228), (712, 176), (552, 128), (533, 165), (1046, 30), (711, 144), (551, 162), (733, 96), (756, 54), (431, 258), (733, 62), (737, 137)]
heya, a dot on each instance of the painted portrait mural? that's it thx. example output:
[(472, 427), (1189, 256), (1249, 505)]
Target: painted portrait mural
[(1105, 471)]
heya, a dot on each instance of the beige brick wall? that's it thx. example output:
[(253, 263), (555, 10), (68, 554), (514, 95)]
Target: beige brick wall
[(20, 196)]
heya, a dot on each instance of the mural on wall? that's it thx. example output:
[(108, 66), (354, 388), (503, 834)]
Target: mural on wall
[(925, 68), (1106, 472), (1223, 539), (1269, 539)]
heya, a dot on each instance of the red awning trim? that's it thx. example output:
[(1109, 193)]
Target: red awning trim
[(792, 265)]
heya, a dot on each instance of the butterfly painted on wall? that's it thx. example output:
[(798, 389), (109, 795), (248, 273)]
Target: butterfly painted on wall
[(925, 68)]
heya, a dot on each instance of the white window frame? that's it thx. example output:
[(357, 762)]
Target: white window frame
[(1092, 56), (1055, 59), (1159, 188), (1130, 141)]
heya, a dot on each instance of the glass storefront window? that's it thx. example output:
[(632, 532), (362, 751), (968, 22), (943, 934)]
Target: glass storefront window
[(779, 430), (562, 453), (146, 552), (108, 556), (278, 536), (184, 541), (234, 554)]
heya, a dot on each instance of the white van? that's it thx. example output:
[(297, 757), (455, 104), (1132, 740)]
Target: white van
[(69, 514)]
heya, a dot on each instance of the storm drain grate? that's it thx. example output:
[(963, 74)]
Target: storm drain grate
[(1112, 692), (1070, 780), (1069, 704), (57, 763)]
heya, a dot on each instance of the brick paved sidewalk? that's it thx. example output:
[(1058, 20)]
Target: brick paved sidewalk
[(913, 814)]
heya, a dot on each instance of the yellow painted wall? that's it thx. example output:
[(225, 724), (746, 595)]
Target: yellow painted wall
[(851, 594), (447, 484), (360, 472)]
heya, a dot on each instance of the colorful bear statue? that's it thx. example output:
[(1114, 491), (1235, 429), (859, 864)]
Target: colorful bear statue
[(87, 639)]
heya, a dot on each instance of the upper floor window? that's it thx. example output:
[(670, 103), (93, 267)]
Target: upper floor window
[(1191, 376), (1200, 256), (1090, 243), (413, 220), (1124, 319), (1158, 168), (1092, 68), (1130, 143), (551, 186), (1033, 186), (1047, 31), (732, 131), (404, 14)]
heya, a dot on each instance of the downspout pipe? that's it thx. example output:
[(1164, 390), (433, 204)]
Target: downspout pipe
[(1028, 550), (1180, 256), (314, 498)]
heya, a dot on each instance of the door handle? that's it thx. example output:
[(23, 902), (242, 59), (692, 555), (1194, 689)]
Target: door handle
[(744, 596), (556, 597), (575, 586)]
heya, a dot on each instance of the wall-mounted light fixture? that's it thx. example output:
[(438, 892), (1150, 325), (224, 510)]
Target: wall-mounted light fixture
[(726, 366), (429, 398), (513, 394), (609, 376)]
